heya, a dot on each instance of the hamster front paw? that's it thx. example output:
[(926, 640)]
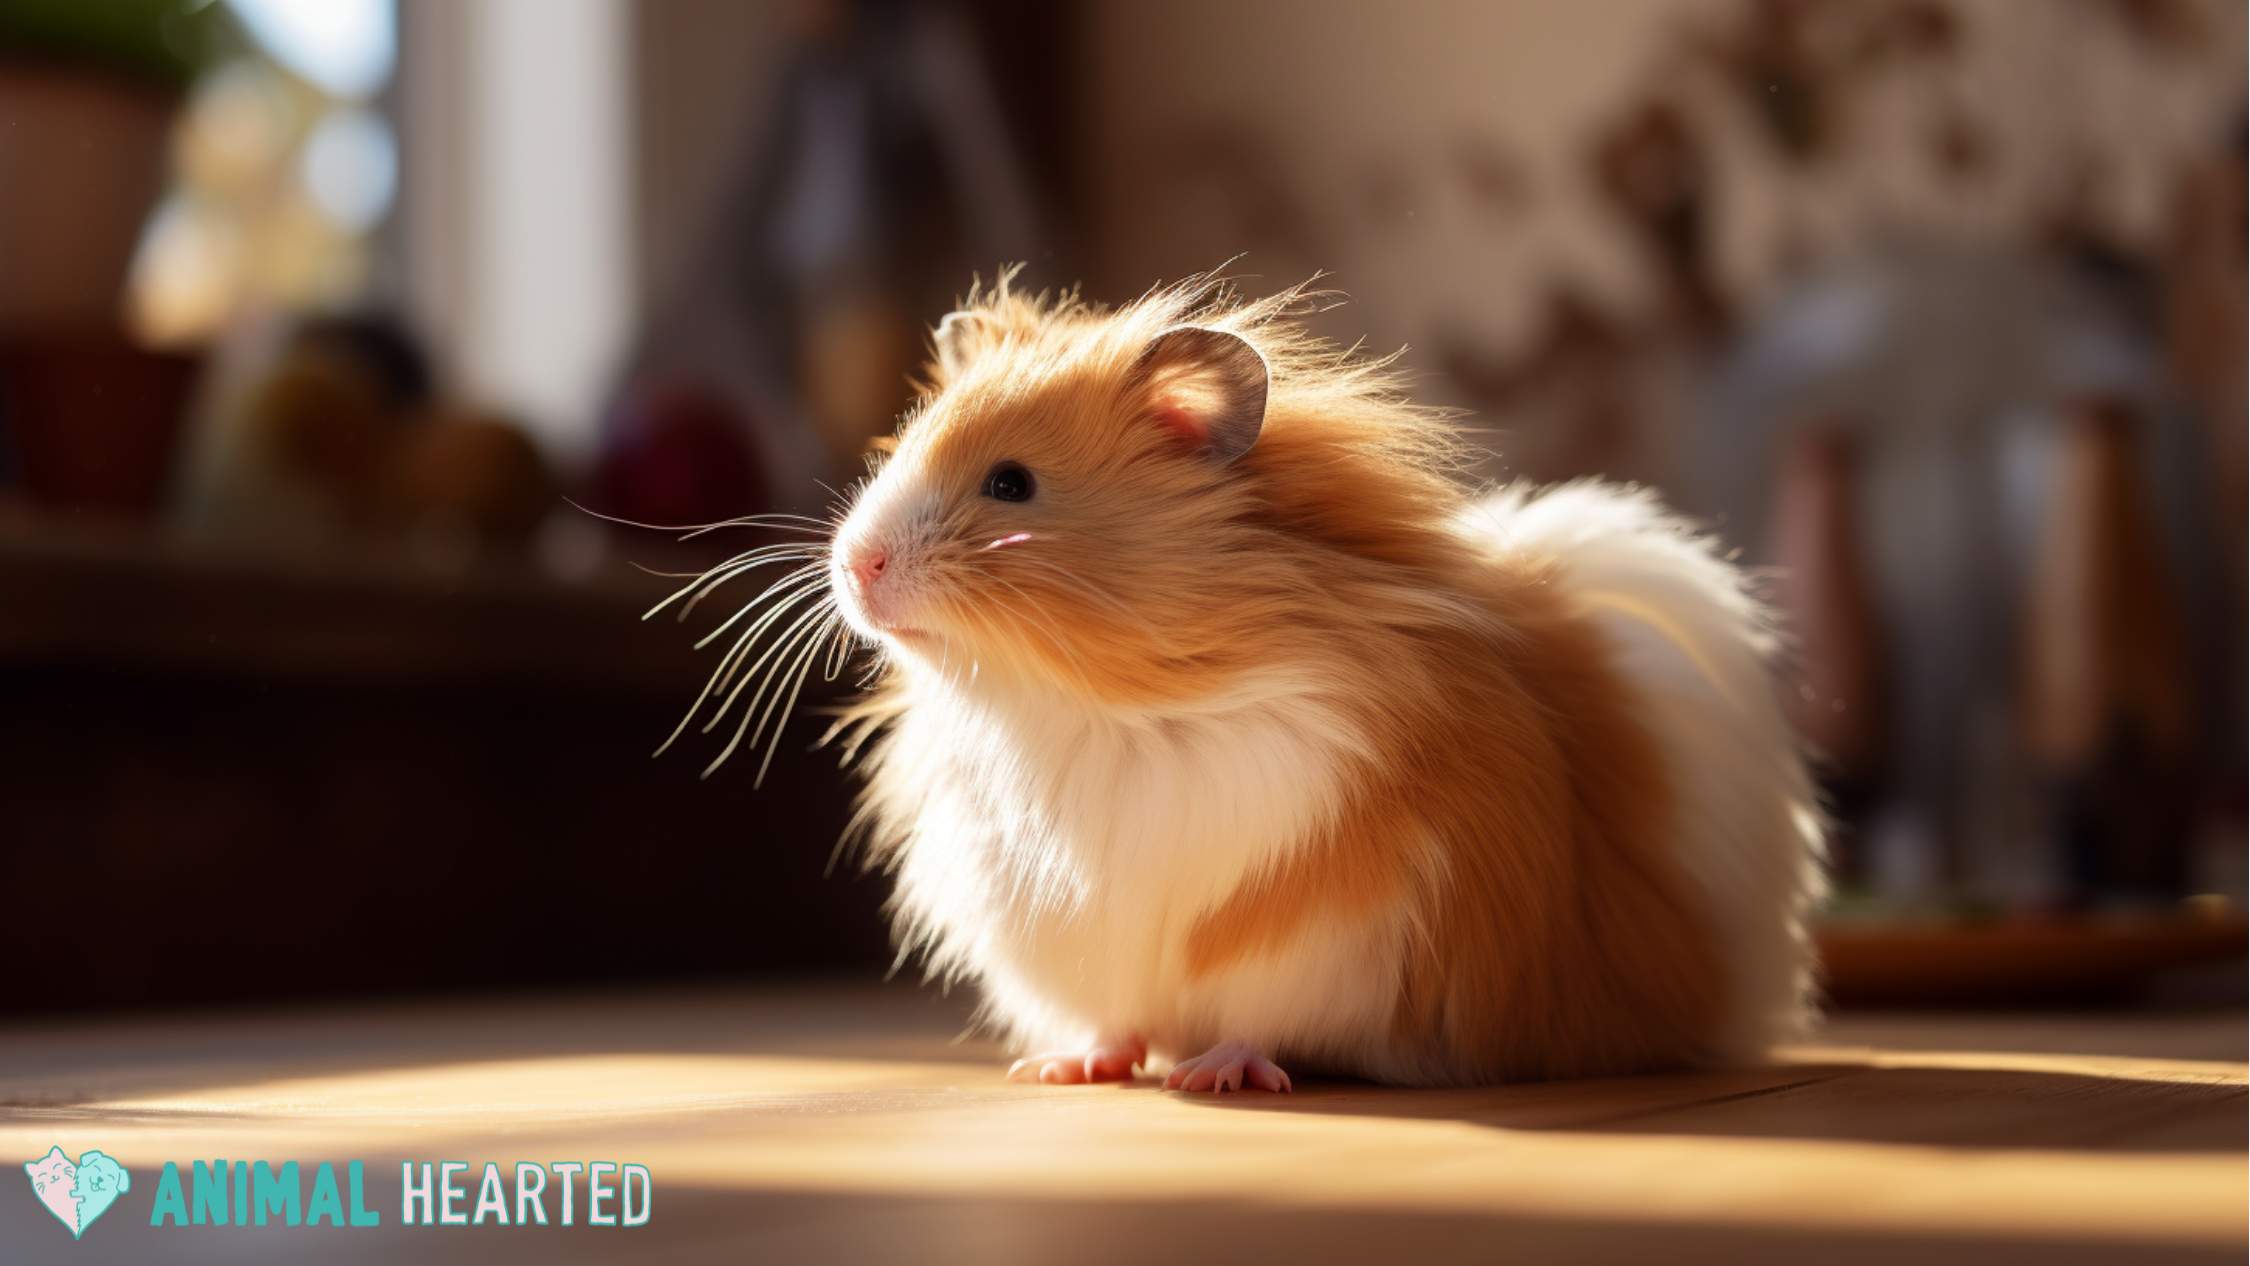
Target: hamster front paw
[(1108, 1059), (1227, 1066)]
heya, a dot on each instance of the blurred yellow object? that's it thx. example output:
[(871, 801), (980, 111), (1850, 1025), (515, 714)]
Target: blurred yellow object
[(2207, 907), (473, 474), (244, 227), (320, 423), (858, 351)]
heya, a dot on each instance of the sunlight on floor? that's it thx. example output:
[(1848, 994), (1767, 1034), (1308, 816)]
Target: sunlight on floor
[(1822, 1141)]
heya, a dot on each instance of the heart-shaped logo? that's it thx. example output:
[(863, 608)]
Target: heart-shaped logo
[(77, 1192)]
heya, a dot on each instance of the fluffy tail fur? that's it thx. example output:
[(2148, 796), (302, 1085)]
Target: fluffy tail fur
[(1698, 647)]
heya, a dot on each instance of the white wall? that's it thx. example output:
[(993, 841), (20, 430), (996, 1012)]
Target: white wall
[(517, 199)]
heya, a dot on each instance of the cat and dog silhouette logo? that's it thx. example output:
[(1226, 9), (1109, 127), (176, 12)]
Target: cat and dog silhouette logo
[(77, 1192)]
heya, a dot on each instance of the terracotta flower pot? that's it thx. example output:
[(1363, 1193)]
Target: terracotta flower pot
[(92, 422), (82, 161)]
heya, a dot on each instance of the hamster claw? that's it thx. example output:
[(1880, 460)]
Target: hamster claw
[(1229, 1066), (1106, 1060)]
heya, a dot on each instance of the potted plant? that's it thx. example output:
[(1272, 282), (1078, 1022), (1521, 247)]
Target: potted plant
[(89, 90)]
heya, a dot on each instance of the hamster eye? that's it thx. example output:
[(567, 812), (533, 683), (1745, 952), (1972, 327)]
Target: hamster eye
[(1007, 481)]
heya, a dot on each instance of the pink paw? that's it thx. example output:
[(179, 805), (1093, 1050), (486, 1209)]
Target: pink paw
[(1105, 1060), (1227, 1066)]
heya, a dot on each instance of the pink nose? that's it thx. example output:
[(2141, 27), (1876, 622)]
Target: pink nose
[(866, 564)]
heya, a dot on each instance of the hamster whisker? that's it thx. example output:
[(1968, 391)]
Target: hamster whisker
[(779, 645), (696, 580), (773, 522), (721, 572), (781, 721), (787, 637), (668, 575), (723, 673), (692, 529), (814, 560), (731, 664), (844, 499), (799, 633), (797, 661), (810, 572), (1005, 541)]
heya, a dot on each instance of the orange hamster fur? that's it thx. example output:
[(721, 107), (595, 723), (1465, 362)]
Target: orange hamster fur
[(1222, 729)]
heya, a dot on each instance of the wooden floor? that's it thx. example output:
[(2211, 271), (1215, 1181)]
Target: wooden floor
[(848, 1125)]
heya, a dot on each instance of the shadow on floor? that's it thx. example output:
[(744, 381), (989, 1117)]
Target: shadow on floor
[(1841, 1101)]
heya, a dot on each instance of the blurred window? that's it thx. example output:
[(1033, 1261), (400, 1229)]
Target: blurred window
[(285, 166)]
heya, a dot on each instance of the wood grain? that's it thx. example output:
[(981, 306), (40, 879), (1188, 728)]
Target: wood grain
[(847, 1125)]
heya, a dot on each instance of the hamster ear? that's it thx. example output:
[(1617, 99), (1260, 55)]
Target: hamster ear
[(1207, 386), (960, 338)]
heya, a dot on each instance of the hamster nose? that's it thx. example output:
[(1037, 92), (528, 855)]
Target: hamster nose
[(866, 564)]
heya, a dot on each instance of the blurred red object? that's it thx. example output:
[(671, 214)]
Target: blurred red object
[(680, 455), (95, 422)]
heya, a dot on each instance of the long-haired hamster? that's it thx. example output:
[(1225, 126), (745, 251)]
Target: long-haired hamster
[(1221, 729)]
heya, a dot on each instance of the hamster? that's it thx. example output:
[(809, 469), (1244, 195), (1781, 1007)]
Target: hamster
[(1221, 730)]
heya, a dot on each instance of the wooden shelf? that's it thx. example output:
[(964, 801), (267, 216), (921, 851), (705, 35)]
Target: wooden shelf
[(112, 594), (2020, 959)]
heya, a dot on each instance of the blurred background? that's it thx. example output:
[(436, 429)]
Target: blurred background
[(315, 318)]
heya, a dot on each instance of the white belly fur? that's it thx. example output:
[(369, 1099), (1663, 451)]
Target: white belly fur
[(1062, 862)]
